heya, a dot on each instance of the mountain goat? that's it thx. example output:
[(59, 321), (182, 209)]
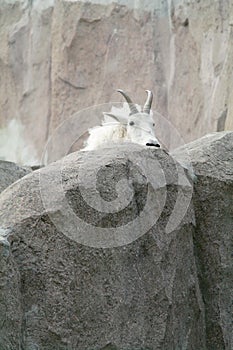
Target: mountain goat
[(119, 126)]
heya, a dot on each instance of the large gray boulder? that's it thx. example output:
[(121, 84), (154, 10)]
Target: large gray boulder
[(101, 255), (10, 299), (212, 160), (10, 305), (10, 172)]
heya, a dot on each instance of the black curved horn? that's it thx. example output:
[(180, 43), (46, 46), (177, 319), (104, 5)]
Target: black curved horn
[(132, 106), (147, 106)]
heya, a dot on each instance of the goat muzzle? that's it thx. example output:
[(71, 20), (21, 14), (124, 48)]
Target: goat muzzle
[(153, 144)]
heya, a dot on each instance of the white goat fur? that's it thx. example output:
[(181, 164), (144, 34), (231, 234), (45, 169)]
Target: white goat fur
[(115, 128)]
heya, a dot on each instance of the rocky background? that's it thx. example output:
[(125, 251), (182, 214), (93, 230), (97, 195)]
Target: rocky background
[(58, 57)]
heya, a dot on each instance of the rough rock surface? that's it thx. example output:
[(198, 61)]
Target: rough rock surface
[(68, 295), (212, 160), (10, 307), (57, 58), (10, 172), (10, 300)]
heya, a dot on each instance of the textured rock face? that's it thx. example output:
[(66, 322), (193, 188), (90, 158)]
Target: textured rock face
[(212, 158), (10, 300), (25, 63), (141, 295), (57, 58), (9, 173), (80, 277), (10, 307)]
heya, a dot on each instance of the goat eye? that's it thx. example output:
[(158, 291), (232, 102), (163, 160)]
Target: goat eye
[(153, 124), (131, 123)]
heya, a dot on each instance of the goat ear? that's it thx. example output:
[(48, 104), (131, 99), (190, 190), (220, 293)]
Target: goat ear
[(109, 116), (106, 115)]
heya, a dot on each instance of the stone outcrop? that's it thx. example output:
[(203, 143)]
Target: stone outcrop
[(10, 172), (89, 275), (58, 57), (114, 249), (212, 160), (10, 299)]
